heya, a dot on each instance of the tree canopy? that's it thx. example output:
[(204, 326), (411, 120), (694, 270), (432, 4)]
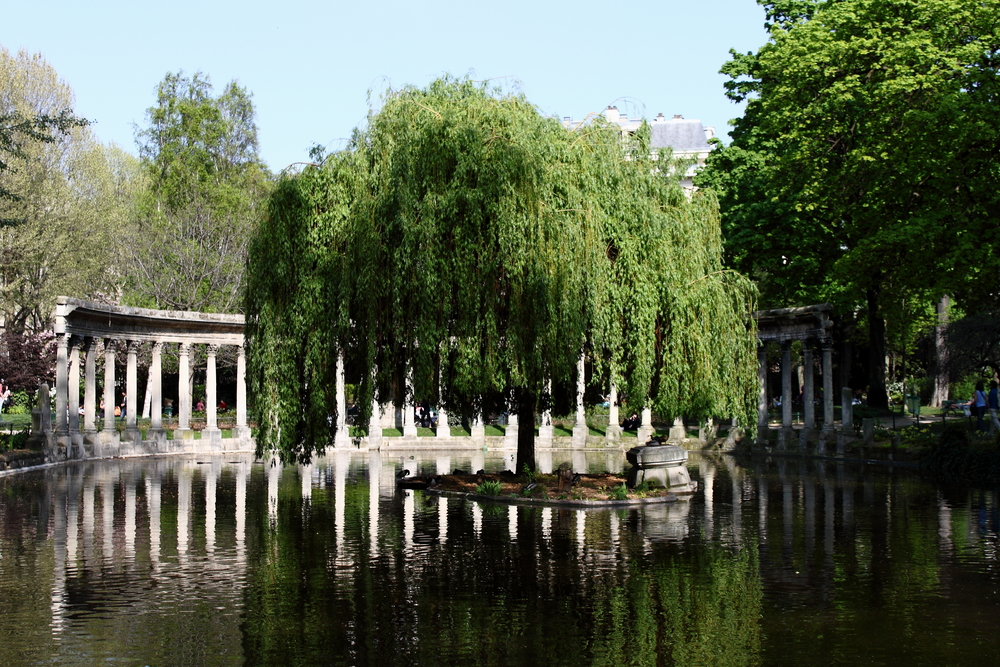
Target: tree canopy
[(199, 199), (62, 195), (864, 168), (467, 239)]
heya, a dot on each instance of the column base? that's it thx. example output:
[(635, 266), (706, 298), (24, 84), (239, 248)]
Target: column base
[(242, 433), (183, 434), (644, 433), (478, 433), (77, 451), (62, 446), (409, 430), (580, 433), (342, 440), (510, 437), (212, 438), (677, 433), (442, 431), (613, 434), (131, 442), (91, 443), (110, 443), (156, 440)]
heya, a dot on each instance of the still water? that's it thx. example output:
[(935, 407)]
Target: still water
[(226, 561)]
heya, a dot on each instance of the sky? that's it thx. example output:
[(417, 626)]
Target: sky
[(312, 66)]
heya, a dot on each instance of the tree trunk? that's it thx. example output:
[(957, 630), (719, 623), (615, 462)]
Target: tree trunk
[(941, 368), (877, 396), (526, 402)]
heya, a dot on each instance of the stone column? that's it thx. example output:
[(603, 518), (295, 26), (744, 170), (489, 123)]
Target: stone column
[(846, 410), (477, 430), (375, 426), (827, 385), (510, 432), (646, 428), (614, 432), (183, 393), (109, 435), (73, 400), (343, 436), (132, 434), (443, 430), (678, 431), (580, 428), (90, 396), (762, 398), (63, 442), (808, 409), (786, 384), (211, 432), (409, 425), (545, 428), (242, 432), (156, 433)]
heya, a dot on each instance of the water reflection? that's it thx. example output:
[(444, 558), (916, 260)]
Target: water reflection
[(228, 561)]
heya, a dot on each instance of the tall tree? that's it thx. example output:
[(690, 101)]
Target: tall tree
[(471, 241), (62, 196), (204, 185), (866, 157)]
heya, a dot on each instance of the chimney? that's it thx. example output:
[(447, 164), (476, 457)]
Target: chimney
[(709, 132), (659, 118), (611, 113), (677, 116)]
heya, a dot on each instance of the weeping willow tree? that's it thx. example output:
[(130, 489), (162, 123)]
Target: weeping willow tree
[(477, 247)]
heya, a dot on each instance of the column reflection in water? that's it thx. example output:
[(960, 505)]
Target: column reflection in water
[(374, 482), (707, 471), (581, 532), (512, 522), (58, 596), (107, 511), (944, 525), (183, 510), (443, 465), (88, 519), (829, 511), (305, 480), (73, 518), (273, 476), (442, 520), (341, 462), (477, 519), (129, 475), (153, 506), (787, 510), (737, 480), (211, 473), (762, 508), (408, 511), (547, 524), (242, 474), (809, 499)]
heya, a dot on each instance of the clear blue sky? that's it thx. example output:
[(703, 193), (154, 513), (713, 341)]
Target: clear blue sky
[(310, 65)]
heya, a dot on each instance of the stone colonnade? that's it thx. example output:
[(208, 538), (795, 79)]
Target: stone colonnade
[(85, 330), (811, 326)]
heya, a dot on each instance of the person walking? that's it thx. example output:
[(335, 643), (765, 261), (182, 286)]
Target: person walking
[(977, 405), (993, 404)]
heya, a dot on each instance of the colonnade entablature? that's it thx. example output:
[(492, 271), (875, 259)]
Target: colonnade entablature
[(84, 330)]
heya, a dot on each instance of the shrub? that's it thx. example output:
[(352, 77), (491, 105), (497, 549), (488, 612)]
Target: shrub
[(619, 493), (489, 488), (20, 403)]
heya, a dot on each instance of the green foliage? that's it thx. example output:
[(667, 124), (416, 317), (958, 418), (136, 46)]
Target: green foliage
[(957, 456), (528, 474), (471, 241), (489, 487), (61, 196), (863, 171), (20, 403), (619, 492), (203, 188)]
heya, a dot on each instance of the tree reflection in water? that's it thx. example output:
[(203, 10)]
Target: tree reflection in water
[(219, 561)]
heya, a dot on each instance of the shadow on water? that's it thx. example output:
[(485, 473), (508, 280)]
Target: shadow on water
[(222, 561)]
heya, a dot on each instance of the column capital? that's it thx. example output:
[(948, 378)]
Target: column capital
[(212, 349), (241, 350), (62, 340), (158, 347), (184, 349), (110, 345), (786, 345), (133, 346)]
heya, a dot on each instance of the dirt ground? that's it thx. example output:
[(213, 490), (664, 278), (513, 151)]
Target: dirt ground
[(586, 487)]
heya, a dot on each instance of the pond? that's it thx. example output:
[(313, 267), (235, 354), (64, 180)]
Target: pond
[(227, 561)]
